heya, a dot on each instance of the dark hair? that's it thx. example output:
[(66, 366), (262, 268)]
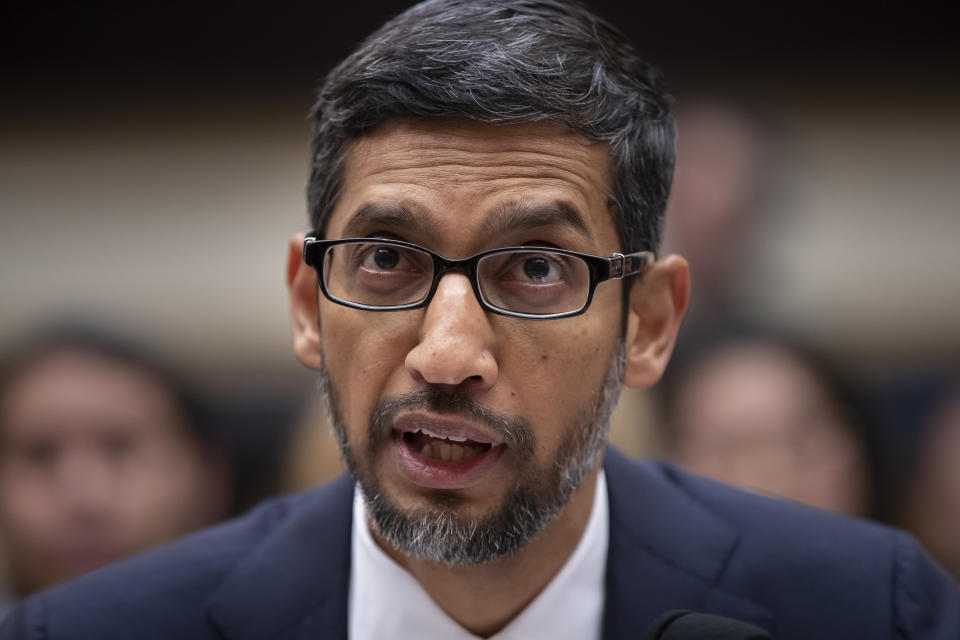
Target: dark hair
[(501, 62), (47, 341)]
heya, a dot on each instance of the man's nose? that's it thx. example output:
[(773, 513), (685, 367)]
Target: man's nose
[(456, 340)]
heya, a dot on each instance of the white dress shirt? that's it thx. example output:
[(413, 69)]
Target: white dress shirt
[(387, 602)]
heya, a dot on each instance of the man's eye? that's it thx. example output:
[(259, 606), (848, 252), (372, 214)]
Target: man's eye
[(537, 268), (534, 269), (386, 258)]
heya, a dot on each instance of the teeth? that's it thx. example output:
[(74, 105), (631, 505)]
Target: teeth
[(440, 450), (427, 432)]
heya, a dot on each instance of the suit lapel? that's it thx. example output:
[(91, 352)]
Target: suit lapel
[(666, 552), (295, 583)]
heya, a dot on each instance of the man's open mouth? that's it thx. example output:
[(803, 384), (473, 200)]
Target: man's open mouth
[(448, 448), (440, 452)]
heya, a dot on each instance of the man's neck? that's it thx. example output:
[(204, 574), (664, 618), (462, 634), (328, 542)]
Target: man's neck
[(485, 598)]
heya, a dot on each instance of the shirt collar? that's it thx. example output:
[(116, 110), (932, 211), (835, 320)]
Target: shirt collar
[(386, 601)]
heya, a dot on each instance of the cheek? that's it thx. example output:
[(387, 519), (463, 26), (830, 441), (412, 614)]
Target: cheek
[(364, 354), (557, 371)]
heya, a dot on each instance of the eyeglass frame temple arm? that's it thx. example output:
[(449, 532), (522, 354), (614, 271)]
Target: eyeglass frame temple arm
[(622, 266)]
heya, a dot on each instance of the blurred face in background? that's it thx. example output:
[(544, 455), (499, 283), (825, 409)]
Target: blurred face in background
[(757, 417), (932, 509), (96, 463), (719, 176)]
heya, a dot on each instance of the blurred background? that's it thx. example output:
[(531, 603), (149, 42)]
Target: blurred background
[(153, 162)]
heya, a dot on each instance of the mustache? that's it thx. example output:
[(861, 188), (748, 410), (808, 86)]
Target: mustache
[(447, 400)]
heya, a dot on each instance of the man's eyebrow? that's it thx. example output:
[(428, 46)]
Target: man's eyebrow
[(392, 216), (514, 216)]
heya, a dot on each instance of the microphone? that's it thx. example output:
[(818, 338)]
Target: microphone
[(686, 625)]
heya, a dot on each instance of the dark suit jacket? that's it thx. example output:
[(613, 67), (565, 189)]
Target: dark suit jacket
[(676, 541)]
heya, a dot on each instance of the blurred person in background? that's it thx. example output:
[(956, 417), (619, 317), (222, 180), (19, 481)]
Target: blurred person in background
[(103, 453), (931, 509), (721, 177), (767, 414)]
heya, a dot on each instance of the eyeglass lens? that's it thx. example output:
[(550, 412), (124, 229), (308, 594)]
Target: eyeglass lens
[(536, 282)]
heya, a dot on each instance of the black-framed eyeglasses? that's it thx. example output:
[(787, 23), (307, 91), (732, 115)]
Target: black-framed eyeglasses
[(532, 282)]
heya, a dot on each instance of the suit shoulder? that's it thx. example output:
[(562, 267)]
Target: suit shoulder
[(775, 518), (785, 537), (805, 564)]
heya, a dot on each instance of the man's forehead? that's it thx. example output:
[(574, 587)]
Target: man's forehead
[(470, 132), (537, 172)]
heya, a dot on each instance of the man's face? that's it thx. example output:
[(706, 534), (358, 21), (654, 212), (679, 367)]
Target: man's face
[(95, 464), (449, 411)]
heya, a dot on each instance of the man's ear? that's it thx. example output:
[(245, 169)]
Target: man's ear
[(657, 304), (302, 285)]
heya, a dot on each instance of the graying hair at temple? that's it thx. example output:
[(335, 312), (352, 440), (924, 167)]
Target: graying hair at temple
[(506, 61)]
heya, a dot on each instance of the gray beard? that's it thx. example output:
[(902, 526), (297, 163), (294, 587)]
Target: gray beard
[(441, 533)]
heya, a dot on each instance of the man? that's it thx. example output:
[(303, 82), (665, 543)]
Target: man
[(102, 454), (484, 174)]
